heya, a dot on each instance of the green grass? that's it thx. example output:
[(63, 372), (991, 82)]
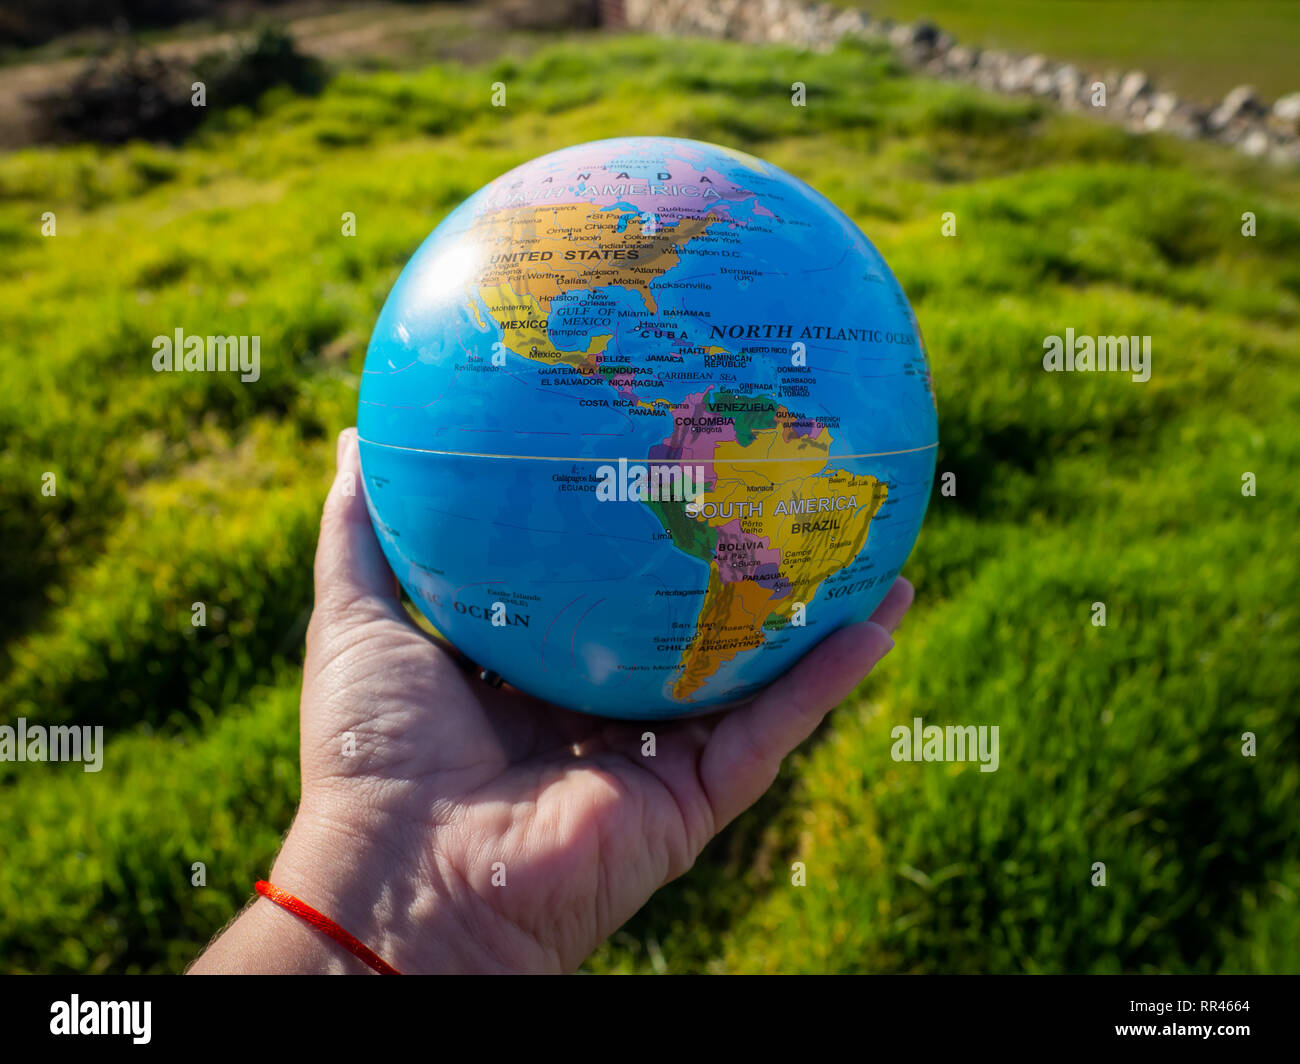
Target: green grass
[(1198, 48), (1119, 744)]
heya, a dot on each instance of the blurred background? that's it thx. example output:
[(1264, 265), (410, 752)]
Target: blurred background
[(1173, 211)]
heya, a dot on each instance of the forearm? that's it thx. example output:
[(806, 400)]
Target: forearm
[(268, 940), (367, 893)]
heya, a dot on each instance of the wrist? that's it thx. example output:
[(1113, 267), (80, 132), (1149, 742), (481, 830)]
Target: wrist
[(376, 890)]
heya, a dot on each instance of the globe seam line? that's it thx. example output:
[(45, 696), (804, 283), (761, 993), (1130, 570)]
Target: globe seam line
[(702, 461)]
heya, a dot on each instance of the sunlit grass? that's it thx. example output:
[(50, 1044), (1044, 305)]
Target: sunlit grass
[(1120, 744)]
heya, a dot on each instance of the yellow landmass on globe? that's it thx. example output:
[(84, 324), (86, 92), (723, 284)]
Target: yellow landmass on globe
[(776, 487), (521, 320), (533, 255), (732, 616)]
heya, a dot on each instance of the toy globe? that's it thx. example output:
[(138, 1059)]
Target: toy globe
[(642, 421)]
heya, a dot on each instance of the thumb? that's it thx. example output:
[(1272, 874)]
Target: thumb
[(351, 570)]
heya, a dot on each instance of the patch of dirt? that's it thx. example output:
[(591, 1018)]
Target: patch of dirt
[(364, 35)]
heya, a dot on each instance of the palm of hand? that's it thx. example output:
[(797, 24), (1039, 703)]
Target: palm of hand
[(542, 828)]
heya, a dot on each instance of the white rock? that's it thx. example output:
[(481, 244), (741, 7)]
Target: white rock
[(1032, 65), (1255, 142), (1134, 84), (852, 23), (1241, 99), (1287, 108), (1044, 83), (1164, 103), (901, 35), (961, 58)]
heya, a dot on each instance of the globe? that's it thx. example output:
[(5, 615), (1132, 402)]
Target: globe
[(643, 421)]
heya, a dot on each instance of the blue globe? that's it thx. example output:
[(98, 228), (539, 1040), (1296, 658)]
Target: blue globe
[(642, 421)]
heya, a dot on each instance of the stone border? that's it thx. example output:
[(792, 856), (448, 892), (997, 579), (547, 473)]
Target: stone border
[(1241, 119)]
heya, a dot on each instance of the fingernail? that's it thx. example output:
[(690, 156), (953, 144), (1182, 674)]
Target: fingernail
[(883, 633), (341, 448)]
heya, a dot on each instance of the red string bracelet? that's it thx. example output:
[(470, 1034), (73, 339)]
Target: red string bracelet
[(323, 923)]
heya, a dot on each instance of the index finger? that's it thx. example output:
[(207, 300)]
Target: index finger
[(746, 749)]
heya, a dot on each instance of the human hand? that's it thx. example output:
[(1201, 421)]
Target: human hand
[(455, 784)]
